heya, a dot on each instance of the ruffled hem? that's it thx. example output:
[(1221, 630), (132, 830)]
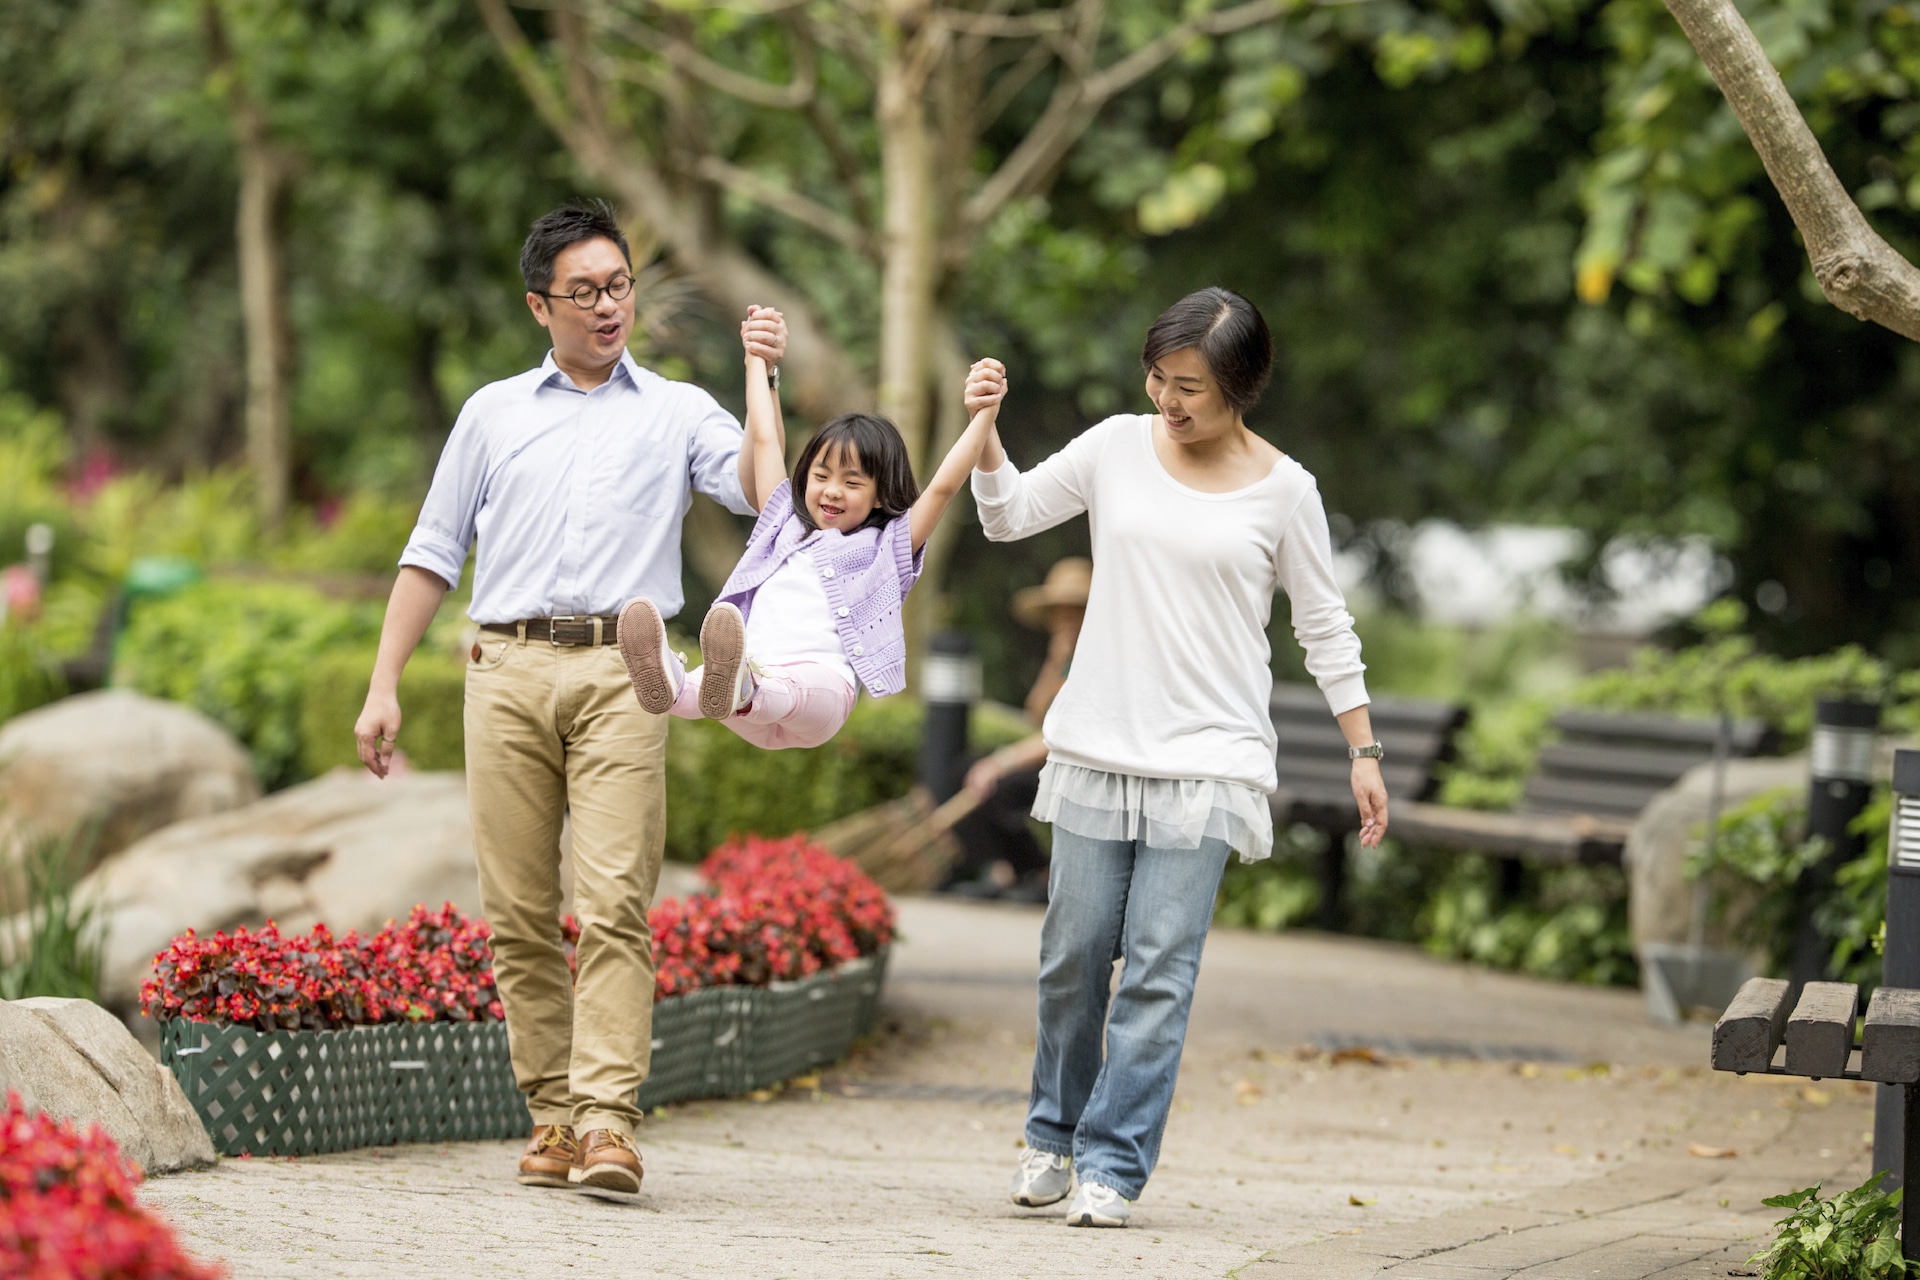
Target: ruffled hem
[(1169, 813)]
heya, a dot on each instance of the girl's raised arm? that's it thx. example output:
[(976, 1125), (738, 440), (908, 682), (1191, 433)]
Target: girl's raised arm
[(766, 444), (986, 388)]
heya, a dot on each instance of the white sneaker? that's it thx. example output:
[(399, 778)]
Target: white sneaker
[(726, 684), (1097, 1206), (1042, 1178), (657, 672)]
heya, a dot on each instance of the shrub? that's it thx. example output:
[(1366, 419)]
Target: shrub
[(242, 653), (1850, 1236), (778, 910), (27, 679), (1572, 927), (432, 701), (68, 1208), (54, 941)]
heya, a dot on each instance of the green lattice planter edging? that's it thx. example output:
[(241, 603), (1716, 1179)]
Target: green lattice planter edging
[(298, 1093)]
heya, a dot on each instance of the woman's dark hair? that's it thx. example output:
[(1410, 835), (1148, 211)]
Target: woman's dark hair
[(882, 454), (570, 224), (1230, 335)]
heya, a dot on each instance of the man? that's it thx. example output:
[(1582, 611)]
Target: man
[(574, 477)]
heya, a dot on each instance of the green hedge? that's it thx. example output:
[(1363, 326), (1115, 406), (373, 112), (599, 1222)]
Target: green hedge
[(432, 696), (243, 653)]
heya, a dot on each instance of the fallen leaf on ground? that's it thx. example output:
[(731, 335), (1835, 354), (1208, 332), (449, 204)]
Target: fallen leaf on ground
[(1357, 1053), (1246, 1092), (1358, 1202), (1564, 1149), (760, 1095), (1706, 1152), (806, 1082), (1818, 1097)]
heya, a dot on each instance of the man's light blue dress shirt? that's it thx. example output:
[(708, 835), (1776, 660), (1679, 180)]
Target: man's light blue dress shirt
[(576, 497)]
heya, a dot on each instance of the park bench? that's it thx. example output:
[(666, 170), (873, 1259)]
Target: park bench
[(1818, 1032), (1578, 805)]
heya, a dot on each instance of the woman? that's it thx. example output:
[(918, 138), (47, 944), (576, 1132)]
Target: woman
[(1160, 745)]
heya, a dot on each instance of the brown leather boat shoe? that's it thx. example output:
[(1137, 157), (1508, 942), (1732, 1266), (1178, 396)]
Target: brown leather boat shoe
[(550, 1156), (608, 1162)]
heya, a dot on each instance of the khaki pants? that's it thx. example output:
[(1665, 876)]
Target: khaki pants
[(553, 731)]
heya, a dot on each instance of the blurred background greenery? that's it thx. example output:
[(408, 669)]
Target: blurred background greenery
[(1519, 267)]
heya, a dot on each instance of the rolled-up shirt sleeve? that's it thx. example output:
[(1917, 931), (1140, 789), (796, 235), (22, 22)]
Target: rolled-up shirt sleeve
[(713, 454), (1303, 562), (444, 531), (1014, 506)]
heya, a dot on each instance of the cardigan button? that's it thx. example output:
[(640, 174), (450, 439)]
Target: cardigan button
[(859, 651), (826, 571), (843, 611)]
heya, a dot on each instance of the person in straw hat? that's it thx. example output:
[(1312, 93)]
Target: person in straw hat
[(1002, 857)]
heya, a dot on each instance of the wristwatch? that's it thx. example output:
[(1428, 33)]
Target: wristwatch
[(773, 376), (1372, 750)]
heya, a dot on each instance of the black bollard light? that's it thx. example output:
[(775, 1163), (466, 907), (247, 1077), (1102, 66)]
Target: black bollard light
[(1839, 784), (949, 686), (1896, 1148)]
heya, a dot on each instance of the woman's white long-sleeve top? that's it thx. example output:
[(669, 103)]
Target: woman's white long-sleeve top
[(1171, 678)]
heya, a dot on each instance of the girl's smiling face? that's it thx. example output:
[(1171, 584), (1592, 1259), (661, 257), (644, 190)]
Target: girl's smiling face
[(840, 493)]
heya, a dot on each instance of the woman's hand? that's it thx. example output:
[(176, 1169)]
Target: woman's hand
[(984, 778), (986, 385), (1370, 793), (764, 333)]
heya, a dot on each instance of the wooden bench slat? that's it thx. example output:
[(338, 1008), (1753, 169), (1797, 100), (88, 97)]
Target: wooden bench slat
[(1612, 727), (1750, 1030), (1543, 837), (1659, 766), (1295, 739), (1820, 1029), (1548, 794), (1890, 1045)]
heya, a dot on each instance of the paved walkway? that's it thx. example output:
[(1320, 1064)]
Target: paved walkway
[(1346, 1109)]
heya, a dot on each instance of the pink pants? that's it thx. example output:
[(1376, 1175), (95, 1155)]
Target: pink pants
[(797, 704)]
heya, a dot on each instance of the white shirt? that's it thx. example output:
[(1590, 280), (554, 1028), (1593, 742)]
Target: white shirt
[(790, 620), (575, 497), (1171, 677)]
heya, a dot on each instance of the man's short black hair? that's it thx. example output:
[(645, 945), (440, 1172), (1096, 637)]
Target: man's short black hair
[(570, 224), (1229, 333)]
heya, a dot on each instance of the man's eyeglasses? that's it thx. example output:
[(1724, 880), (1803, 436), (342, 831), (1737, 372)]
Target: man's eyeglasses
[(587, 296)]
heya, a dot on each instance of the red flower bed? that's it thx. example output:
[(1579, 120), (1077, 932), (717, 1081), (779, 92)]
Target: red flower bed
[(778, 910), (68, 1212)]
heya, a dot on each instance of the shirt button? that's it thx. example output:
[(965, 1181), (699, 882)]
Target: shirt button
[(843, 612), (859, 651)]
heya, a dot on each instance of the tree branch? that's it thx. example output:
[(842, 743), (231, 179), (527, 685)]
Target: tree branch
[(1076, 101), (689, 60), (1859, 271), (784, 200)]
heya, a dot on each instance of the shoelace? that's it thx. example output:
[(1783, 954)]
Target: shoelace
[(615, 1138), (1037, 1161), (1099, 1195), (554, 1137)]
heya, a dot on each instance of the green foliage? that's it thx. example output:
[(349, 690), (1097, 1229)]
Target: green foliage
[(1851, 1236), (27, 679), (1275, 893), (1495, 753), (432, 704), (1572, 927), (54, 940), (241, 653)]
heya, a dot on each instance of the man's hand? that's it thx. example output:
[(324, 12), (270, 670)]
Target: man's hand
[(1370, 793), (986, 385), (764, 333), (377, 731), (983, 779)]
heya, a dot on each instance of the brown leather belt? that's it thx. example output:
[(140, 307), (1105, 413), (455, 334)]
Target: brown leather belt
[(580, 629)]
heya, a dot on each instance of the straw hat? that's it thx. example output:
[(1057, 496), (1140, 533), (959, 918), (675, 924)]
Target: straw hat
[(1067, 584)]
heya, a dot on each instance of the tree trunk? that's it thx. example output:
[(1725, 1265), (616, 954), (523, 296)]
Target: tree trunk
[(1858, 271), (266, 182), (909, 260)]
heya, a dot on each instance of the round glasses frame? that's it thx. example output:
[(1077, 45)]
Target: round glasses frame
[(587, 296)]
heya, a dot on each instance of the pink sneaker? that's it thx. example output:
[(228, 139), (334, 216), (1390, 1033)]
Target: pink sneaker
[(655, 670)]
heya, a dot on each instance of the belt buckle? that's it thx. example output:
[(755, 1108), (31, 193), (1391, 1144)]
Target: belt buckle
[(553, 630)]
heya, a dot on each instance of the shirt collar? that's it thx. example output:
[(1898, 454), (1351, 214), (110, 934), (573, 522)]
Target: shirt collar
[(553, 375)]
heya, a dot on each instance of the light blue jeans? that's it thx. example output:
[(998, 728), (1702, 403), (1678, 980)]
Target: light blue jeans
[(1108, 900)]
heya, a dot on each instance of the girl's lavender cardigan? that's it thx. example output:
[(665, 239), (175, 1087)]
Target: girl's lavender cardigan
[(866, 575)]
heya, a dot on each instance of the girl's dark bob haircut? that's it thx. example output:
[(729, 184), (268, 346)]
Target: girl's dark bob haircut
[(882, 454), (1229, 333)]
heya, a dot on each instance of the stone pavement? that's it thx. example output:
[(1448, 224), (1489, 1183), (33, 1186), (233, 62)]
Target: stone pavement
[(1345, 1109)]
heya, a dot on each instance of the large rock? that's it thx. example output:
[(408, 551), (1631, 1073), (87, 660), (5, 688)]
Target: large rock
[(345, 849), (73, 1059), (1660, 897), (130, 763)]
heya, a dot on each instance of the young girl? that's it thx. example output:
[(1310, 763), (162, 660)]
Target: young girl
[(816, 600)]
